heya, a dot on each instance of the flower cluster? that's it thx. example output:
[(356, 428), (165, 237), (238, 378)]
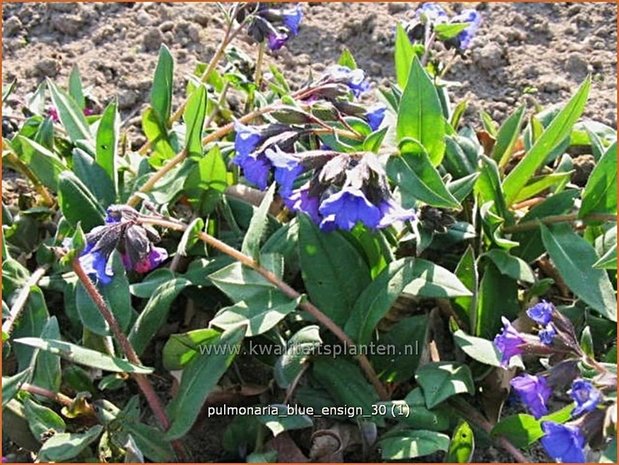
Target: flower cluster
[(555, 340), (121, 232), (430, 15), (276, 25)]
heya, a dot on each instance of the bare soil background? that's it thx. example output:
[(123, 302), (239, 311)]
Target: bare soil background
[(543, 49)]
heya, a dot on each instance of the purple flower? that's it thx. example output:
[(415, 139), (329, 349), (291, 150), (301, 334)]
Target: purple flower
[(346, 208), (287, 169), (391, 213), (547, 334), (533, 392), (586, 396), (155, 257), (300, 200), (375, 116), (467, 16), (52, 112), (432, 13), (276, 40), (508, 342), (541, 313), (291, 18), (564, 443), (353, 78)]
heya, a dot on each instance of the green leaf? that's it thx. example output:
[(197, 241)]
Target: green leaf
[(70, 114), (163, 82), (259, 314), (146, 288), (45, 165), (556, 132), (333, 270), (507, 137), (94, 176), (488, 187), (416, 177), (298, 348), (462, 445), (182, 348), (478, 348), (461, 188), (511, 266), (62, 447), (209, 173), (404, 54), (242, 283), (76, 202), (448, 31), (420, 116), (498, 296), (155, 314), (412, 411), (574, 258), (413, 276), (195, 113), (108, 136), (47, 372), (283, 421), (441, 380), (408, 444), (11, 384), (198, 380), (466, 272), (258, 226), (608, 261), (42, 419), (75, 87), (151, 441), (344, 381), (347, 59), (460, 156), (600, 194), (610, 453), (157, 135), (116, 295), (541, 183), (83, 356)]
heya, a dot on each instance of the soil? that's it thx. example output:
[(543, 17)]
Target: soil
[(533, 52)]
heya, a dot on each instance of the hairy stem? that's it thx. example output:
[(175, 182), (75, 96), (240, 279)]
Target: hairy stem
[(57, 397), (143, 383), (534, 224), (287, 290), (473, 416), (24, 169), (22, 299)]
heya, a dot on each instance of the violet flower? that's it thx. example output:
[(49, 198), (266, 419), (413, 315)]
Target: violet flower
[(586, 396), (375, 116), (564, 443), (541, 313), (534, 392), (509, 342)]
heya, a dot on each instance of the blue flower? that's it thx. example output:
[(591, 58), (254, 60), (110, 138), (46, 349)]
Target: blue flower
[(533, 392), (547, 334), (431, 13), (467, 16), (375, 116), (287, 169), (508, 342), (586, 396), (391, 213), (541, 313), (292, 18), (346, 208), (246, 140), (564, 443), (95, 263), (256, 169), (353, 78), (302, 201)]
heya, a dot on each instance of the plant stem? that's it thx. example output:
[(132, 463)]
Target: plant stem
[(259, 61), (473, 416), (20, 166), (22, 299), (57, 397), (127, 348), (287, 290), (534, 224)]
